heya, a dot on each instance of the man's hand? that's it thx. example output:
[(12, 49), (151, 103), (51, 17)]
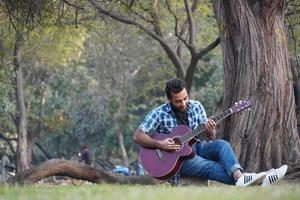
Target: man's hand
[(211, 128), (168, 144)]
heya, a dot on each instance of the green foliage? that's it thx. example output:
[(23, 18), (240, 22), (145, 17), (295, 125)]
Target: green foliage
[(208, 83), (54, 46)]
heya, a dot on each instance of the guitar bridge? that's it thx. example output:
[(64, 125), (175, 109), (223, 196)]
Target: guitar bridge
[(160, 155)]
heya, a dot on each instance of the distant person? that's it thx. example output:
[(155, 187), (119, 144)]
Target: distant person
[(214, 160), (85, 155)]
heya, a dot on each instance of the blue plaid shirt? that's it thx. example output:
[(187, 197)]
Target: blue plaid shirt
[(162, 119)]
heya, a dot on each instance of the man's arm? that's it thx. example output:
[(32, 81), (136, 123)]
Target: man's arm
[(145, 140)]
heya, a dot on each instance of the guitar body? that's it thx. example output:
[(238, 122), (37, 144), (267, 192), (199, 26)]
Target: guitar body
[(164, 164)]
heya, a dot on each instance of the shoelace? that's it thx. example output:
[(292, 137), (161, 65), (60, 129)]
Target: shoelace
[(273, 178), (247, 179)]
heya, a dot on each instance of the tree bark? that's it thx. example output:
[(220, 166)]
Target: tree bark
[(22, 162), (256, 65), (75, 169)]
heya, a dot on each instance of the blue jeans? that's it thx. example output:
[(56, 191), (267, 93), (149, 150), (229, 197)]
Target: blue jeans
[(214, 160)]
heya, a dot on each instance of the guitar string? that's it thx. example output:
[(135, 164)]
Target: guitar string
[(201, 127)]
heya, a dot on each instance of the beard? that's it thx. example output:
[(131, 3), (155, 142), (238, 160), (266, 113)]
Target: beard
[(179, 108)]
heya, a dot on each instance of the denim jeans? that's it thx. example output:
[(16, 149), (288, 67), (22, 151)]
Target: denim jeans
[(214, 160)]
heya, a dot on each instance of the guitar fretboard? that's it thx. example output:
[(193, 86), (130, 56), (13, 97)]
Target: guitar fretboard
[(201, 128)]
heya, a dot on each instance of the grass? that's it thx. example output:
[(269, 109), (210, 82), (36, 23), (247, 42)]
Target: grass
[(158, 192)]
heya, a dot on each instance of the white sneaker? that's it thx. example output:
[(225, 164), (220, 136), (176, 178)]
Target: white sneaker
[(248, 179), (274, 175)]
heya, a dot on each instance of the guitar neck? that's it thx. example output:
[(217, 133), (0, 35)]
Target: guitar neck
[(201, 128)]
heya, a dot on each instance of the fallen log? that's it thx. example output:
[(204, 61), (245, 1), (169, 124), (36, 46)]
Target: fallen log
[(75, 169)]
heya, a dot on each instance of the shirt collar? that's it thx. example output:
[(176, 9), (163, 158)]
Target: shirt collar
[(168, 107)]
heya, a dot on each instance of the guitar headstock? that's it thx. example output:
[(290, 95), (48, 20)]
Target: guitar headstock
[(241, 105)]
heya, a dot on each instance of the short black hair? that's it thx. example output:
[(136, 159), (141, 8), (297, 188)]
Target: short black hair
[(174, 85)]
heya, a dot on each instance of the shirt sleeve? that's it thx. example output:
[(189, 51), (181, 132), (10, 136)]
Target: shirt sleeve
[(202, 114), (151, 122)]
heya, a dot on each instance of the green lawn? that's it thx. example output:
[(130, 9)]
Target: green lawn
[(158, 192)]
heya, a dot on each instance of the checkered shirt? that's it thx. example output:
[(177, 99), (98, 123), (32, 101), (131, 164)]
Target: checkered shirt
[(162, 119)]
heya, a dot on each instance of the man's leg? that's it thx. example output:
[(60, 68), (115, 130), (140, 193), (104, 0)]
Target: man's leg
[(219, 151), (204, 168)]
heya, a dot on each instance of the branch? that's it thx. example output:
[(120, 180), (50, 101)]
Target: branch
[(194, 61), (14, 118), (208, 48), (174, 15), (155, 18), (73, 5), (184, 26), (10, 15), (191, 24), (126, 21), (136, 13), (179, 36)]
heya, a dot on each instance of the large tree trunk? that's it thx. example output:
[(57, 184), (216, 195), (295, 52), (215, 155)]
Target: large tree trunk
[(21, 123), (256, 65)]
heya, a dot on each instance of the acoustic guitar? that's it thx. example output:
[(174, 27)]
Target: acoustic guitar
[(162, 164)]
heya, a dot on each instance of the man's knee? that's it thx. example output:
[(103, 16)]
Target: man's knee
[(222, 143)]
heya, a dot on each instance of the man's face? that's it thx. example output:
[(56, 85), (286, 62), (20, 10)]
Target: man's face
[(180, 100)]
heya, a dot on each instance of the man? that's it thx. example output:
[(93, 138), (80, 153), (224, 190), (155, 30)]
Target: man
[(214, 160)]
